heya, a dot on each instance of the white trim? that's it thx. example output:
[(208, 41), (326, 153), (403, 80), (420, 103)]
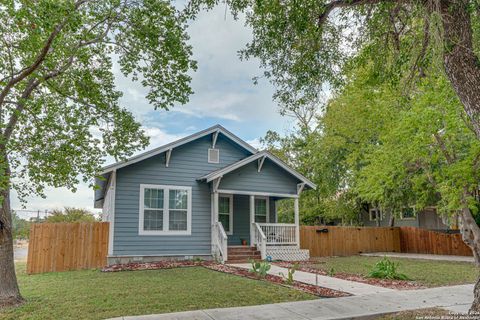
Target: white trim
[(216, 184), (113, 186), (261, 194), (408, 218), (214, 139), (221, 172), (252, 219), (380, 214), (230, 214), (296, 208), (165, 231), (300, 187), (209, 159), (260, 163), (267, 207), (175, 144), (168, 154)]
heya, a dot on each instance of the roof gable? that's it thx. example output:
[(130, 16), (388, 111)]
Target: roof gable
[(257, 156), (214, 131)]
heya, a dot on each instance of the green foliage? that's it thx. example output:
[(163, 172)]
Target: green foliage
[(331, 272), (260, 268), (70, 214), (20, 227), (288, 278), (386, 269), (59, 106)]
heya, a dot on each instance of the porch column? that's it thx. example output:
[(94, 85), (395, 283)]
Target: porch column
[(297, 222), (214, 206), (252, 219)]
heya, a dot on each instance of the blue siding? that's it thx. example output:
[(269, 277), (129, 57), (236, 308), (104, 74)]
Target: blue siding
[(241, 220), (270, 179), (187, 163)]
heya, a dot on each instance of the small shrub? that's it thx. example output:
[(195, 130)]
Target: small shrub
[(289, 277), (331, 272), (260, 268), (386, 269)]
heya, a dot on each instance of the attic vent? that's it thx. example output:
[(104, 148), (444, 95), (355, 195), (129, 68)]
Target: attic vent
[(213, 156)]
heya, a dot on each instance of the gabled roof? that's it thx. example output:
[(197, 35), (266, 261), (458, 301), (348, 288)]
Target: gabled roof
[(217, 128), (219, 173)]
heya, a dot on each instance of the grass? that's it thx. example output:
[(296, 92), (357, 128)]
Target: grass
[(426, 272), (92, 294)]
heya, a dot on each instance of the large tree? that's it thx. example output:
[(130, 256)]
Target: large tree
[(303, 46), (59, 108)]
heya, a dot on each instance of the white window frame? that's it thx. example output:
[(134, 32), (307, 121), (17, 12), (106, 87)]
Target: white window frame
[(408, 218), (267, 199), (166, 221), (230, 214), (208, 155), (380, 216)]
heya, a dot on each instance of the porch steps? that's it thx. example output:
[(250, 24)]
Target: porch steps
[(242, 254)]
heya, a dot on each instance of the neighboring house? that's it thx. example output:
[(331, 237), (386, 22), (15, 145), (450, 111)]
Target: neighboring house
[(426, 219), (197, 196)]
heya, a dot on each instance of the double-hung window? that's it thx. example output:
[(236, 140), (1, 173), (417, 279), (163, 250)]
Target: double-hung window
[(225, 212), (261, 209), (165, 210)]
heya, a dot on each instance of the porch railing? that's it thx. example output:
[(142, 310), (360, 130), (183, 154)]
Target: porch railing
[(260, 240), (279, 233), (220, 242)]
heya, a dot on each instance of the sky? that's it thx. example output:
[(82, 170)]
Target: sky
[(224, 94)]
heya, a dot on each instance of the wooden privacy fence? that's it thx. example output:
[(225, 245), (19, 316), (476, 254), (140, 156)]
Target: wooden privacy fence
[(325, 241), (67, 246), (416, 240)]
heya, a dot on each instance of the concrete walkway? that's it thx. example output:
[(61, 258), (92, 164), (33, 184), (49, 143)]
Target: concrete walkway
[(364, 306), (419, 256), (352, 287)]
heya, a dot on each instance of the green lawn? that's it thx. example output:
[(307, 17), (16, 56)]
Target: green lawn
[(426, 272), (95, 295)]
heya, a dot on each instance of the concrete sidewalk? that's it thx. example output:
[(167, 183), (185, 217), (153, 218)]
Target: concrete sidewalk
[(438, 257), (352, 287), (365, 306)]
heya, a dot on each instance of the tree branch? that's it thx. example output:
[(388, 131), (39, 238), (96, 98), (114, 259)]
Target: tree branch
[(40, 57), (329, 7)]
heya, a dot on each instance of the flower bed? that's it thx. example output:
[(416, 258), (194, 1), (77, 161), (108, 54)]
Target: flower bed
[(134, 266), (309, 288), (312, 289), (386, 283)]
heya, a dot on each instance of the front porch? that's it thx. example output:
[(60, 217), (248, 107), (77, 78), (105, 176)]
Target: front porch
[(244, 211), (251, 221)]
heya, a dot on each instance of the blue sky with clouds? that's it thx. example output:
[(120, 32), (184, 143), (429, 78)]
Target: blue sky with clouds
[(224, 94)]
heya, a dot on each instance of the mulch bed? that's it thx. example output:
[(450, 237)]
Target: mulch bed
[(315, 290), (386, 283), (309, 288), (136, 266)]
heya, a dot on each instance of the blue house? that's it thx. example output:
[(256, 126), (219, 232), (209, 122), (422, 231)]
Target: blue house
[(201, 196)]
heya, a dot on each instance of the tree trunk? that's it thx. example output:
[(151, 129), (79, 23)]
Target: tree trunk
[(462, 66), (9, 292), (471, 236), (391, 221)]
